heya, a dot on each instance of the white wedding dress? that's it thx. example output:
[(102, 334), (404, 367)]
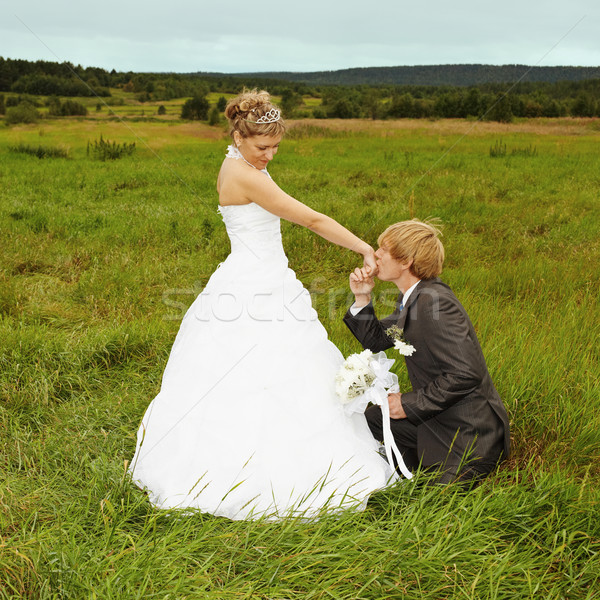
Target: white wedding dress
[(247, 423)]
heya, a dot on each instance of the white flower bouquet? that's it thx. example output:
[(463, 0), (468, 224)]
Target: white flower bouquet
[(355, 376), (365, 378)]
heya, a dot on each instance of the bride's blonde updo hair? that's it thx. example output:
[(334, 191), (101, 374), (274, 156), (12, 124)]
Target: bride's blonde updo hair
[(248, 107)]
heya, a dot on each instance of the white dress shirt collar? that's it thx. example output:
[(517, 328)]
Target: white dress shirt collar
[(408, 292)]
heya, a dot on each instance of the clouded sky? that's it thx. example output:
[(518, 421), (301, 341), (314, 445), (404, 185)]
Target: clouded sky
[(310, 35)]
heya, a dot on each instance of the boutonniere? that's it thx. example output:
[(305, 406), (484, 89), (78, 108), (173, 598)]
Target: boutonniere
[(400, 342)]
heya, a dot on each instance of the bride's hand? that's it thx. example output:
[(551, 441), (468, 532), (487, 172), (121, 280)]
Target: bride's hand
[(370, 263)]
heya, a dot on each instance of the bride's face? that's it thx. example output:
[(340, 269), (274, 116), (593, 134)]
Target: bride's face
[(258, 150)]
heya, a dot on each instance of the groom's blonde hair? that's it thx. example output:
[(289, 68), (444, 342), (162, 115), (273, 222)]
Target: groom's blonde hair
[(417, 241)]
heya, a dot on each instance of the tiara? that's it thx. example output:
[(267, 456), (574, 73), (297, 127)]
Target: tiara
[(271, 116)]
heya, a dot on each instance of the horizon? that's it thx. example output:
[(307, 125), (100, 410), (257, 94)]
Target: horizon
[(245, 73)]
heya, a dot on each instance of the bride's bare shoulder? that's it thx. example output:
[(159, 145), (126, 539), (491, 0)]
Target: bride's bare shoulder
[(236, 171), (232, 182)]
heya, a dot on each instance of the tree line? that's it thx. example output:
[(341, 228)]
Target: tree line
[(491, 101)]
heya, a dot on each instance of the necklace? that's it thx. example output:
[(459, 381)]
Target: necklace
[(248, 163), (234, 152)]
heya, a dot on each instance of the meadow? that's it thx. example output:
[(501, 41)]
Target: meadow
[(99, 260)]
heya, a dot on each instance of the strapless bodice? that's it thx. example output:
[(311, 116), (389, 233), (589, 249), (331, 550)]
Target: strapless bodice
[(252, 230)]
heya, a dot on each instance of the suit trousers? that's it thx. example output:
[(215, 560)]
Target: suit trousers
[(405, 436), (404, 432)]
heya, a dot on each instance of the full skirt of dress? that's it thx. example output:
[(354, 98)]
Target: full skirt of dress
[(247, 423)]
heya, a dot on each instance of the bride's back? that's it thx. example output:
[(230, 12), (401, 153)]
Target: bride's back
[(230, 184)]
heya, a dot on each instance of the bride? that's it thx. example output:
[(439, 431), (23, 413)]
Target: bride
[(247, 424)]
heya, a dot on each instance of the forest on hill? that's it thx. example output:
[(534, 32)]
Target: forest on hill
[(568, 91), (434, 75)]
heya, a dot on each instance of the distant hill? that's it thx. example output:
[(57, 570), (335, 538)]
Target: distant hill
[(438, 75)]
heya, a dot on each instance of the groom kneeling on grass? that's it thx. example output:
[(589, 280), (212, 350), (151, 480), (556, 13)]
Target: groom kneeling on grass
[(453, 421)]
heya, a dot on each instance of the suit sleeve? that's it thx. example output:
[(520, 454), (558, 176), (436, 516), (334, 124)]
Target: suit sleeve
[(369, 330), (446, 335)]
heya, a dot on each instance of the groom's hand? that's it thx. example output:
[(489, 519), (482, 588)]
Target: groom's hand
[(361, 285), (396, 410)]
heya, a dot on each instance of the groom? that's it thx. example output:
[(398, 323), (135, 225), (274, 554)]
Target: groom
[(453, 421)]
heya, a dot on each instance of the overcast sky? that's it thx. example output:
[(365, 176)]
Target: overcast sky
[(239, 36)]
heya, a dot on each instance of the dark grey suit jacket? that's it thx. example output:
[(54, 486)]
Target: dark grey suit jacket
[(454, 403)]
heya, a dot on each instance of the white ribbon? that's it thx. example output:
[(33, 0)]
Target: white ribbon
[(385, 383)]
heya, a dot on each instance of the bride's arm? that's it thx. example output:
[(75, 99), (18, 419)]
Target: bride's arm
[(265, 192)]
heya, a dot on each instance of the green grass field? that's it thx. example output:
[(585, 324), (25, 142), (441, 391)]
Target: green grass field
[(100, 259)]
